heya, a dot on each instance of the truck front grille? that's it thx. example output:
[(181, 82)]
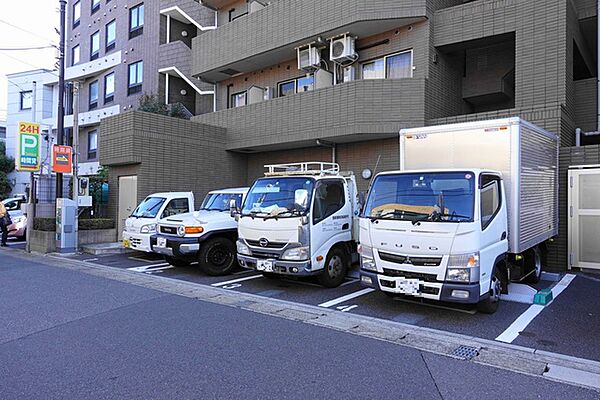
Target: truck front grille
[(270, 245), (410, 275), (416, 261), (169, 230), (265, 253)]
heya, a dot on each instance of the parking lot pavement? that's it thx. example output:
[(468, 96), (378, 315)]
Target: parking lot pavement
[(570, 325), (562, 327)]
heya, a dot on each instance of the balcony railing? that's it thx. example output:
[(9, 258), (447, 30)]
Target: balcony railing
[(350, 111)]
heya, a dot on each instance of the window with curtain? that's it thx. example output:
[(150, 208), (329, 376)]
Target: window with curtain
[(399, 65)]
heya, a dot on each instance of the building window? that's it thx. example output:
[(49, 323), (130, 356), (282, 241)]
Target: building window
[(26, 100), (136, 20), (299, 85), (76, 14), (75, 57), (95, 45), (111, 35), (92, 144), (109, 87), (93, 95), (238, 99), (136, 76), (394, 66), (95, 5)]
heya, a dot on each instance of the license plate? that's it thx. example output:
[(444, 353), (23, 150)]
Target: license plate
[(408, 286), (264, 265), (126, 243), (161, 242)]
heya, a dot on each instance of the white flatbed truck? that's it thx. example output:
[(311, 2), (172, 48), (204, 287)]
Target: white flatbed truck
[(300, 220), (470, 210)]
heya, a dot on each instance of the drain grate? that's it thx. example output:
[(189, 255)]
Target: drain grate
[(465, 352)]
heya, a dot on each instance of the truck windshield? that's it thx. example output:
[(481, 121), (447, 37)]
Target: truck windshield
[(220, 201), (277, 197), (149, 208), (440, 197)]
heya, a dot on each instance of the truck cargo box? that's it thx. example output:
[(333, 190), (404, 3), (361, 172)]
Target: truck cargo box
[(526, 155)]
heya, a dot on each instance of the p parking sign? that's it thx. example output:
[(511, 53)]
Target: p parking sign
[(29, 147)]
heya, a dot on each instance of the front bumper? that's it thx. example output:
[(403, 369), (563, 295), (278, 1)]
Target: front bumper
[(442, 291), (177, 247), (292, 268), (137, 241)]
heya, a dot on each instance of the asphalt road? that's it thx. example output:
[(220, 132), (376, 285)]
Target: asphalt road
[(65, 334)]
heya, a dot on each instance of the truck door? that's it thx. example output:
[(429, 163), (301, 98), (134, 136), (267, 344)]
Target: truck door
[(494, 230), (331, 216)]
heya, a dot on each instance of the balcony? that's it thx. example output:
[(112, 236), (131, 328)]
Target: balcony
[(264, 37), (189, 12), (352, 111), (92, 68)]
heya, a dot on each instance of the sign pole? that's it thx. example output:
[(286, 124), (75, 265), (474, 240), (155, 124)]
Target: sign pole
[(76, 159)]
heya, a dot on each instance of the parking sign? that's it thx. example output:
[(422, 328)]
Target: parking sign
[(29, 147)]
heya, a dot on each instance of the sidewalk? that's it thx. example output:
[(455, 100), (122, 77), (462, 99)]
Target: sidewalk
[(66, 334)]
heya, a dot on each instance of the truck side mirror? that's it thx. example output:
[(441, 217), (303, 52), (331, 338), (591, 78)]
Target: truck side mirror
[(301, 198), (233, 209)]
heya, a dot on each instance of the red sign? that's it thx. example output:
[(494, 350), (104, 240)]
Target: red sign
[(62, 159)]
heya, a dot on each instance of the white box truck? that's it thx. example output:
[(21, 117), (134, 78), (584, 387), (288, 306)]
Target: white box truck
[(300, 220), (469, 211)]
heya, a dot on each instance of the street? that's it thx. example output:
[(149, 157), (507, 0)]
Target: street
[(68, 334)]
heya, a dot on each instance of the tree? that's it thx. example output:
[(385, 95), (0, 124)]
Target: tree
[(7, 165), (151, 103)]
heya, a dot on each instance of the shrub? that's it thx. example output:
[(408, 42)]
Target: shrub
[(44, 224), (95, 224)]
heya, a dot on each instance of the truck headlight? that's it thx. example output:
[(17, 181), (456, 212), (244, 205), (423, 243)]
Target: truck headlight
[(463, 268), (296, 254), (181, 230), (150, 228), (367, 259), (242, 248)]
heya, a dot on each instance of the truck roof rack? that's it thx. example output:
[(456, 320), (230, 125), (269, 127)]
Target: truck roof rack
[(303, 168)]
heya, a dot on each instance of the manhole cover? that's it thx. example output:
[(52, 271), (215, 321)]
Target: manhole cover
[(465, 352)]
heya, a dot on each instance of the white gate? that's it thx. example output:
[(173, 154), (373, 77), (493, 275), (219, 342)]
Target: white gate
[(584, 218)]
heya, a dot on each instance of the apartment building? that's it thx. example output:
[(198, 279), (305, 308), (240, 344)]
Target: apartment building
[(2, 131), (119, 50), (301, 80)]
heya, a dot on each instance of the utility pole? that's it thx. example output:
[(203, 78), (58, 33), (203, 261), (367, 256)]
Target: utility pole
[(61, 93), (76, 159)]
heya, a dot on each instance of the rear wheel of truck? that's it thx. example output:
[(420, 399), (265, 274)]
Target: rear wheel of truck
[(490, 304), (177, 262), (217, 256), (336, 267), (533, 263)]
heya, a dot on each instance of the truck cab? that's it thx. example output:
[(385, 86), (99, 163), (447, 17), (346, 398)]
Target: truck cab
[(206, 236), (437, 234), (141, 224), (299, 220)]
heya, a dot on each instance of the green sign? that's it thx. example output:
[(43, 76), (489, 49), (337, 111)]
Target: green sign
[(29, 147)]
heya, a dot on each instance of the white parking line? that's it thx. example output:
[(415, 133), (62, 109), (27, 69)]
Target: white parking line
[(247, 278), (347, 297), (512, 332), (152, 267)]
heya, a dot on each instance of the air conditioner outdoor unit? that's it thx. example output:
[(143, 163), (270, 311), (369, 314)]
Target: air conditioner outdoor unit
[(309, 58), (269, 93), (342, 49), (254, 6)]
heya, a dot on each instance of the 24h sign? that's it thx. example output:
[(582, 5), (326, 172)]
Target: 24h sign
[(28, 158)]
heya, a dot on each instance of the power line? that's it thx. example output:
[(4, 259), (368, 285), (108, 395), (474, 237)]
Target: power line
[(27, 48), (25, 30), (26, 63)]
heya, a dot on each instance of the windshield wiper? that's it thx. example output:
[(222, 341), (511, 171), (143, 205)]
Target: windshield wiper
[(437, 217), (292, 212), (394, 212)]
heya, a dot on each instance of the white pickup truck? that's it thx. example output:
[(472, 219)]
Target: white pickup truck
[(469, 211), (141, 224), (206, 236), (299, 220)]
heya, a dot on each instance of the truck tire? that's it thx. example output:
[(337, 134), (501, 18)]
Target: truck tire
[(176, 262), (336, 268), (490, 304), (533, 262), (217, 256)]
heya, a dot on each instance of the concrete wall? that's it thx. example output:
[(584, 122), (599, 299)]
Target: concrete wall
[(167, 154)]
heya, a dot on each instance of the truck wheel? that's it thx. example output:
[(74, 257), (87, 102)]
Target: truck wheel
[(217, 256), (177, 262), (533, 262), (336, 267), (490, 305)]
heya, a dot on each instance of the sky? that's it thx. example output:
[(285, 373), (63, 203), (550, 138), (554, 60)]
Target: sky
[(26, 23)]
